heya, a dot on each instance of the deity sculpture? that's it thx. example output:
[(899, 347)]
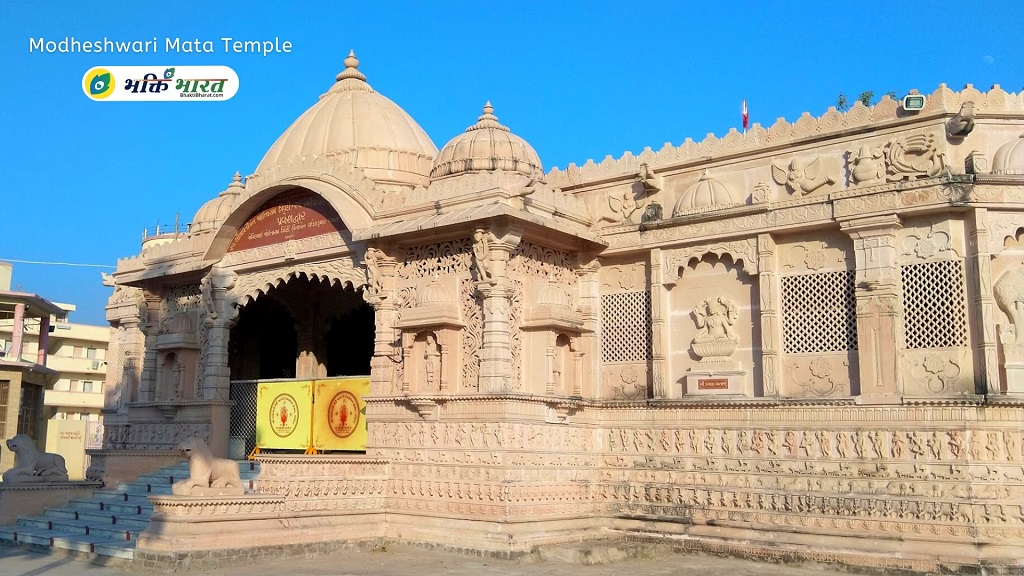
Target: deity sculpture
[(715, 340), (431, 362), (482, 255)]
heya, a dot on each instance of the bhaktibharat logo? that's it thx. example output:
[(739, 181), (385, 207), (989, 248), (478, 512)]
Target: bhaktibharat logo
[(160, 83), (98, 83), (343, 414), (284, 415)]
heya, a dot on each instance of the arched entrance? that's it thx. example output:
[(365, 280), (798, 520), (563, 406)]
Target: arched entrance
[(303, 329)]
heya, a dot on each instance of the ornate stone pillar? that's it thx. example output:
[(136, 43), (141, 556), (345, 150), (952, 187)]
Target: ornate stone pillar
[(387, 344), (979, 258), (549, 369), (879, 309), (496, 369), (221, 315), (590, 307), (150, 311), (659, 332), (771, 328)]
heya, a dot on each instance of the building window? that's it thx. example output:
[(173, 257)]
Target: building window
[(87, 386), (30, 410), (5, 391), (90, 353), (626, 327), (934, 304), (819, 312)]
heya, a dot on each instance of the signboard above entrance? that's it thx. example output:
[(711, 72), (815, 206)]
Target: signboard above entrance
[(292, 215)]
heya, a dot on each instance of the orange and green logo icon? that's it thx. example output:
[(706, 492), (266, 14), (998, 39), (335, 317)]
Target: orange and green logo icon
[(98, 83)]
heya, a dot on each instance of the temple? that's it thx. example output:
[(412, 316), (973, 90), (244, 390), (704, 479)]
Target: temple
[(805, 340)]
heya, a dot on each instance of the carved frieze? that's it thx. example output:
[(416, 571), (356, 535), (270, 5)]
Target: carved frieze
[(803, 177)]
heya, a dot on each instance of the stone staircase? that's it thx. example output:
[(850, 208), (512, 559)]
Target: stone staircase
[(108, 523)]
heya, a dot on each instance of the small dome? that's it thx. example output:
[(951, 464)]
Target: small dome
[(214, 212), (486, 145), (434, 294), (361, 127), (705, 193), (1009, 159)]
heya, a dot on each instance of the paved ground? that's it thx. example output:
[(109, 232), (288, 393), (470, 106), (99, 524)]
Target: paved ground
[(402, 560)]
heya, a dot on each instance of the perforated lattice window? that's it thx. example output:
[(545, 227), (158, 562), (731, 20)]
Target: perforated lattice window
[(819, 312), (243, 413), (626, 327), (934, 311)]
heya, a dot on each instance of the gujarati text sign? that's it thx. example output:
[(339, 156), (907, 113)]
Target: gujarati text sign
[(284, 412), (339, 421)]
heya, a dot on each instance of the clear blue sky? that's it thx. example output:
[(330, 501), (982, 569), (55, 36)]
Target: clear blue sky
[(578, 80)]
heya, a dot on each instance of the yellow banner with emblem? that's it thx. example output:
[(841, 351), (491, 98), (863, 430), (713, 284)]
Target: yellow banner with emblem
[(339, 416), (284, 415)]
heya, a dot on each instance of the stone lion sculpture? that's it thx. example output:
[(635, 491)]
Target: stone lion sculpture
[(31, 465), (208, 475)]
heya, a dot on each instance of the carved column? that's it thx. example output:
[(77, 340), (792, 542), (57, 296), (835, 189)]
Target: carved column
[(497, 373), (879, 309), (979, 258), (387, 344), (771, 328), (590, 307), (125, 355), (659, 333), (221, 315), (150, 311)]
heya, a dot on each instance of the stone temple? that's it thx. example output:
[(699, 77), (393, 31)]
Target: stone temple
[(805, 340)]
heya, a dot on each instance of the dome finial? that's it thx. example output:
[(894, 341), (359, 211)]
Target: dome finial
[(487, 120), (235, 186), (351, 68)]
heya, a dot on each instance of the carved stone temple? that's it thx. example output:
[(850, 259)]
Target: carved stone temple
[(806, 339)]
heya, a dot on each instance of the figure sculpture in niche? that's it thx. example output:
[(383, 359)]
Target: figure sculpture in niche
[(374, 281), (482, 255), (208, 475), (31, 465), (431, 361), (715, 338)]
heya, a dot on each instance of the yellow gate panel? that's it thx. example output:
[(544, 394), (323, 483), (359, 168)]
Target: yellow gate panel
[(284, 415), (339, 421)]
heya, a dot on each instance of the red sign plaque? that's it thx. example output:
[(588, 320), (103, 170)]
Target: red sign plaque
[(291, 215), (713, 384)]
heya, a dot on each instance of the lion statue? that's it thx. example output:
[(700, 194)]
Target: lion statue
[(31, 465), (208, 476)]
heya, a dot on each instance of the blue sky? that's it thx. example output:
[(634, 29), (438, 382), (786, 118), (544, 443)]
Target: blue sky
[(577, 80)]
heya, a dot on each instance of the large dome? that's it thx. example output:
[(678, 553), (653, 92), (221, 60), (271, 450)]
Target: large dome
[(361, 127), (486, 145)]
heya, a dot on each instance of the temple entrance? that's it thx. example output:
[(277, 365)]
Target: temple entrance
[(303, 329)]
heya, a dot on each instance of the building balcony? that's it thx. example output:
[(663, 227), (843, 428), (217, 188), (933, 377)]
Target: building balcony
[(63, 399)]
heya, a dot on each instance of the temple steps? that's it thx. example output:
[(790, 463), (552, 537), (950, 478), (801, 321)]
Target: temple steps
[(109, 522)]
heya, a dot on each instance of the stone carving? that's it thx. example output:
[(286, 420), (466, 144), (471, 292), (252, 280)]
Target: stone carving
[(31, 465), (914, 156), (374, 280), (801, 177), (623, 206), (962, 124), (428, 260), (432, 362), (531, 259), (715, 340), (208, 476), (472, 335), (1009, 294), (868, 166), (482, 255)]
